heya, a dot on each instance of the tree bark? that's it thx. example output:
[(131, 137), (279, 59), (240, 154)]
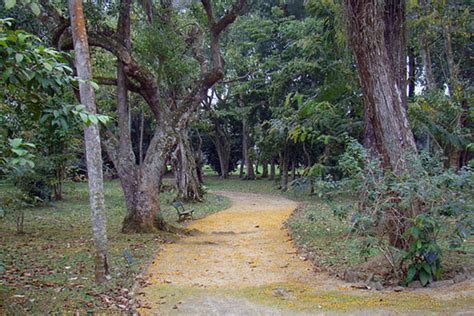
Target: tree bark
[(140, 140), (222, 144), (187, 180), (92, 141), (383, 95), (284, 165), (425, 54), (453, 151), (293, 169), (426, 59), (380, 80), (245, 151), (411, 72), (199, 159), (272, 169), (265, 168)]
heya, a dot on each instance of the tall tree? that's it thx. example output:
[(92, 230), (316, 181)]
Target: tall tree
[(379, 78), (141, 182), (92, 140)]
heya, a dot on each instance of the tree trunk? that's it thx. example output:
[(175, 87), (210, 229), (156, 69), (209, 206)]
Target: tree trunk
[(265, 168), (293, 169), (144, 215), (245, 151), (140, 140), (92, 140), (272, 169), (425, 54), (383, 97), (187, 180), (284, 164), (411, 72), (199, 159), (426, 59), (222, 144), (453, 151)]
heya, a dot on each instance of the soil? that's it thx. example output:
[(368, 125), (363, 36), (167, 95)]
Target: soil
[(241, 261)]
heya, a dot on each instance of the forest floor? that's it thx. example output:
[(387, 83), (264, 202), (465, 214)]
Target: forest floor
[(241, 261)]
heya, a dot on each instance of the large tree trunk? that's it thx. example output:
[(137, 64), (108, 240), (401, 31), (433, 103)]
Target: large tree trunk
[(245, 151), (187, 180), (383, 96), (92, 141), (144, 216)]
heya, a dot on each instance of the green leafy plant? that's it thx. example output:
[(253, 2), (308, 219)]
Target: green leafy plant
[(424, 254)]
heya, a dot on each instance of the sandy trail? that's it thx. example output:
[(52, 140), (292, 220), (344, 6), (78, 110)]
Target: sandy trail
[(240, 261)]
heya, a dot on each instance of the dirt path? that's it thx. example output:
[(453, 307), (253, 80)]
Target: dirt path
[(241, 261)]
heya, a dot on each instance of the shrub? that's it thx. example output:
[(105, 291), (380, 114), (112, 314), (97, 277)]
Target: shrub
[(403, 215)]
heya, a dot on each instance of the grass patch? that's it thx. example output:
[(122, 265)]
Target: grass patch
[(50, 268)]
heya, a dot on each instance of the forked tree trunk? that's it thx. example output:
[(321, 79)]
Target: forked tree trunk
[(144, 214), (187, 180), (92, 141)]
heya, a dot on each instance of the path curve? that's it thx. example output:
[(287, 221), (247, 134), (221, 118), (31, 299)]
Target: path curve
[(239, 253)]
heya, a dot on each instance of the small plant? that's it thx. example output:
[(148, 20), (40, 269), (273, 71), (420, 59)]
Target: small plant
[(424, 254)]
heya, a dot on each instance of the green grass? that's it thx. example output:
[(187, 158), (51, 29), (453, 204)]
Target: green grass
[(50, 268)]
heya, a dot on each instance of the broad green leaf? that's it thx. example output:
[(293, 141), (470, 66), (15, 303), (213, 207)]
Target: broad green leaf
[(94, 85), (10, 4), (424, 277), (35, 9), (84, 117), (93, 119), (19, 57), (19, 152), (16, 142), (410, 274)]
